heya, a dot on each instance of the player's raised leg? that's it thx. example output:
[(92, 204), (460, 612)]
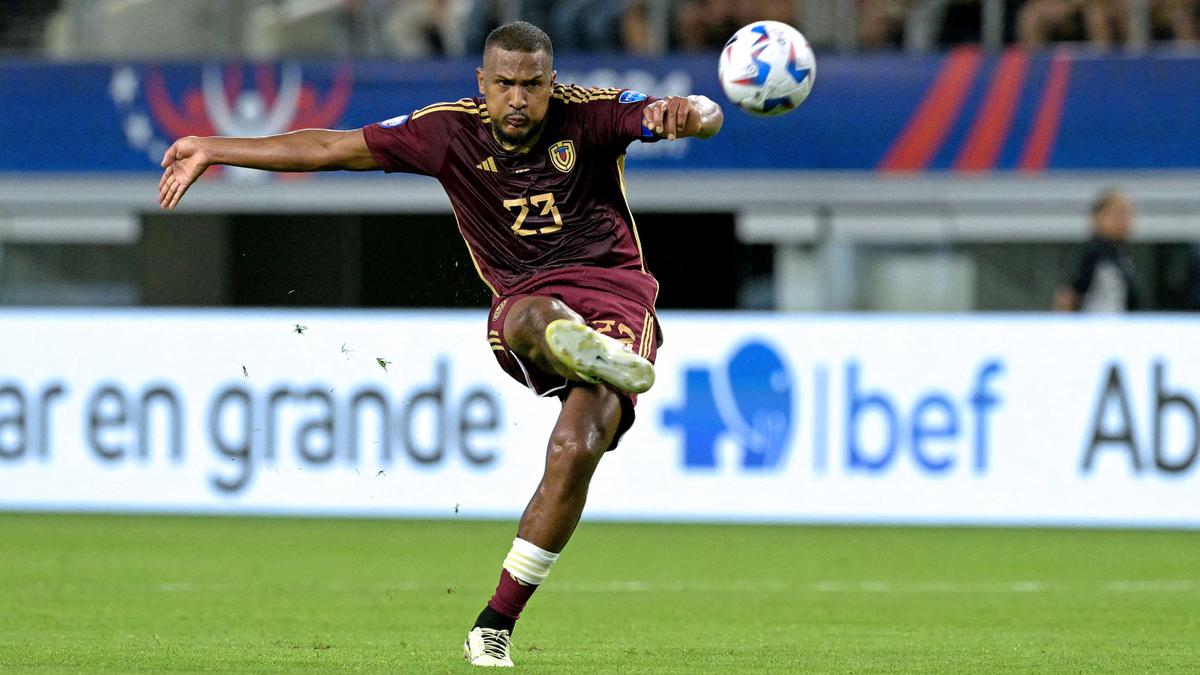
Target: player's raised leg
[(555, 339), (586, 427)]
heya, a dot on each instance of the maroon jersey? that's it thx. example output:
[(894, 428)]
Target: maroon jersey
[(555, 213)]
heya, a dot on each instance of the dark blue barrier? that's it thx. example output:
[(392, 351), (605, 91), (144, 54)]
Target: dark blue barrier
[(963, 111)]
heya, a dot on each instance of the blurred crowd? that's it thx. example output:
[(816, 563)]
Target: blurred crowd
[(416, 28), (704, 25), (1103, 23), (423, 27)]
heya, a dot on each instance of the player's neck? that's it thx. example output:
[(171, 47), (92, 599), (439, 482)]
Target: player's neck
[(521, 148)]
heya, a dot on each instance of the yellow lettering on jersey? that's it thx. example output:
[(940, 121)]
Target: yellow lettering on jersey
[(546, 201), (605, 326)]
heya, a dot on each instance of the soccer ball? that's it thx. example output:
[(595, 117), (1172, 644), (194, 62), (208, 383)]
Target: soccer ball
[(767, 68)]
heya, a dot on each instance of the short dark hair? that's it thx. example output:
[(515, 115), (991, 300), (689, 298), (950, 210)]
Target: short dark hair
[(519, 36)]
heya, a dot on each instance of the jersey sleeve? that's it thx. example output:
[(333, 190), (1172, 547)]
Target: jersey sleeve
[(408, 144), (622, 118)]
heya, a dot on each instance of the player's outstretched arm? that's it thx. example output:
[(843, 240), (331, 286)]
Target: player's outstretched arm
[(674, 117), (304, 150)]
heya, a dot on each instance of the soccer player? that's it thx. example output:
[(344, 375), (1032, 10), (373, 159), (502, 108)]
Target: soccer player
[(535, 174)]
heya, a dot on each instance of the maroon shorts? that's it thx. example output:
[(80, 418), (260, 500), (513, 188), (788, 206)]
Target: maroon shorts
[(610, 314)]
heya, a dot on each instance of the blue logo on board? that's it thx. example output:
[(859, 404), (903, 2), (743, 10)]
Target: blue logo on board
[(631, 96), (749, 398), (854, 423)]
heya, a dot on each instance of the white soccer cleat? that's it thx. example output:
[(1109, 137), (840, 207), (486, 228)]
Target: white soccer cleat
[(598, 358), (487, 647)]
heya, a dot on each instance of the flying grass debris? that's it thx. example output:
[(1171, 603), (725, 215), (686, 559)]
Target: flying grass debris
[(300, 329), (382, 363)]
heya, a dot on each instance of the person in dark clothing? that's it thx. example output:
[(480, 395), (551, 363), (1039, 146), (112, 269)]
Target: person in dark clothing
[(1104, 280)]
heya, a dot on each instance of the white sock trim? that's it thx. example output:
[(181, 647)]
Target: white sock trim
[(529, 563)]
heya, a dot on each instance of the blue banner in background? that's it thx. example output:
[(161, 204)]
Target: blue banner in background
[(963, 111)]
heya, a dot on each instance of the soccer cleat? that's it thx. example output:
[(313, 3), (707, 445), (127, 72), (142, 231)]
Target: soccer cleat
[(598, 358), (487, 647)]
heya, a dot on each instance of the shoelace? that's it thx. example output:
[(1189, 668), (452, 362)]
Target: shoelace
[(495, 642)]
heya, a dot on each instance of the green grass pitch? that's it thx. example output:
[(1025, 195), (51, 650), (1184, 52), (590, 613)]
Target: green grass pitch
[(112, 593)]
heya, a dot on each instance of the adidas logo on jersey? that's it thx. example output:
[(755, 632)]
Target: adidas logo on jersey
[(488, 164)]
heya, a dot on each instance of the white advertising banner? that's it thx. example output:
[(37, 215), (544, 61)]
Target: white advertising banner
[(754, 417)]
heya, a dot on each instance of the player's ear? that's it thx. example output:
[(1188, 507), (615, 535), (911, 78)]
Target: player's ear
[(553, 77), (479, 79)]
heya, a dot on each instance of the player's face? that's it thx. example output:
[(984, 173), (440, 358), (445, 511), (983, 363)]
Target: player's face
[(517, 88)]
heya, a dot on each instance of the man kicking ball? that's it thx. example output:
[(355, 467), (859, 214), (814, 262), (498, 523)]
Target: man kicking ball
[(535, 174)]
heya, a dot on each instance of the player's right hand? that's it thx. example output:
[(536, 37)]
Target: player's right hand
[(182, 164)]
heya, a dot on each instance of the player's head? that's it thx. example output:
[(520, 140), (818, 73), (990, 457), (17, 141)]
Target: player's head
[(516, 79), (1112, 215)]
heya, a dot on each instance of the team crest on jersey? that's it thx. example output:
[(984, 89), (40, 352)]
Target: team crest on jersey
[(562, 156)]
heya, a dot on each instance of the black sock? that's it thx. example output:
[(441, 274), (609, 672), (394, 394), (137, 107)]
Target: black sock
[(490, 618)]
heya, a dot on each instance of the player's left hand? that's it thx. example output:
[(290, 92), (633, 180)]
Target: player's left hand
[(671, 117)]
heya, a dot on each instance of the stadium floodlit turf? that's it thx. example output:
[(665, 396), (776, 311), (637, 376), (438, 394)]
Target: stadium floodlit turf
[(217, 594)]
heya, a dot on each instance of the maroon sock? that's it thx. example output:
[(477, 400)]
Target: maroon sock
[(511, 596)]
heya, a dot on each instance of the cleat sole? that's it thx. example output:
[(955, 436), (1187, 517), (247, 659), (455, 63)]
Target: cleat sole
[(598, 358)]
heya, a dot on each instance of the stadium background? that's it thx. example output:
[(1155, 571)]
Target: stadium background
[(856, 305)]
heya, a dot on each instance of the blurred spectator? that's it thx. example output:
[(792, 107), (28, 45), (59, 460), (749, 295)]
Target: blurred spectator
[(705, 25), (587, 25), (485, 15), (636, 29), (1104, 23), (416, 28), (1043, 21), (1104, 281), (1177, 20), (881, 23), (22, 21), (573, 25)]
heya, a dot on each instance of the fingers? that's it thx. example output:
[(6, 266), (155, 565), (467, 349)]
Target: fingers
[(681, 115), (164, 195), (654, 117), (668, 116), (162, 180), (177, 194), (672, 124), (171, 189), (168, 157)]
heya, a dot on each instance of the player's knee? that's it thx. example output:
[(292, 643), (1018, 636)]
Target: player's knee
[(535, 313), (577, 452), (527, 323)]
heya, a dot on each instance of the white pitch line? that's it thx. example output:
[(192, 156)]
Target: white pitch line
[(1174, 586), (634, 586)]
